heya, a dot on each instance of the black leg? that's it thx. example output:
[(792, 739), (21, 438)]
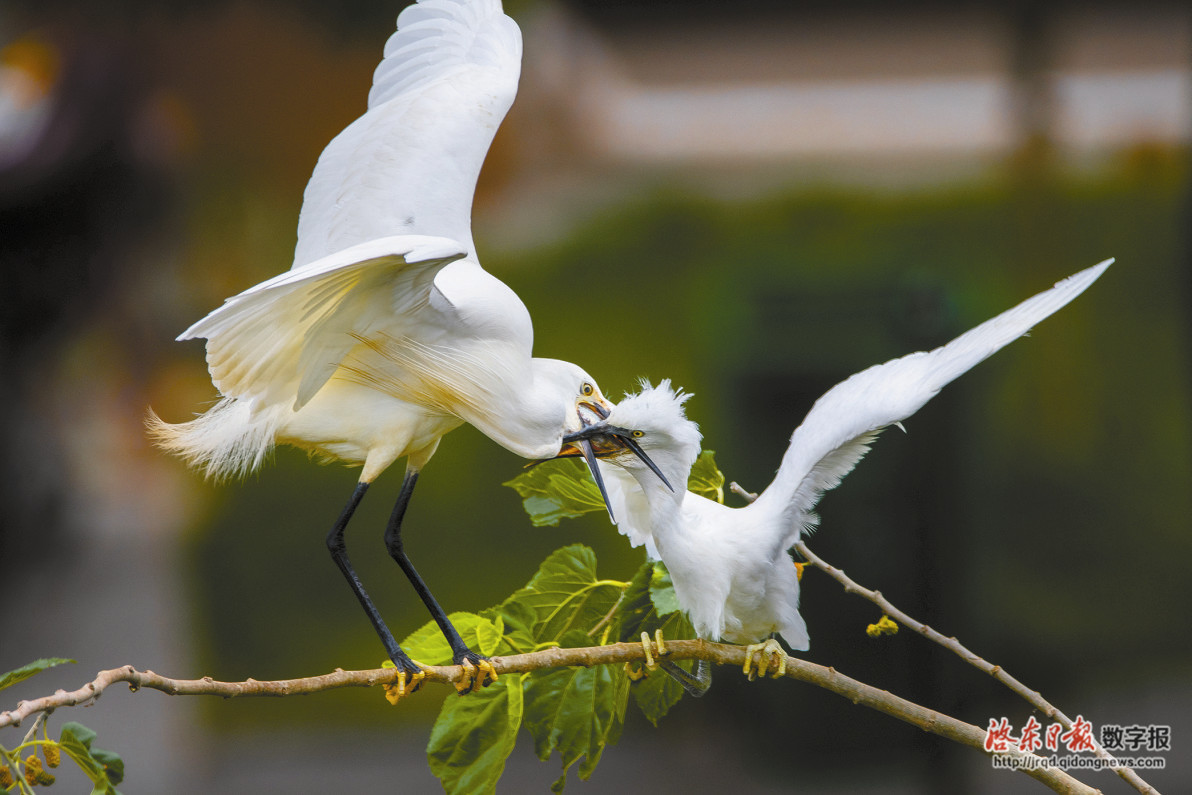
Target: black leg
[(460, 652), (697, 683), (339, 553)]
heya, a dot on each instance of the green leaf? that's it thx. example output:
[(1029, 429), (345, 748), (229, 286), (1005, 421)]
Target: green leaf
[(518, 620), (558, 489), (706, 479), (564, 594), (474, 735), (662, 590), (636, 607), (112, 763), (428, 646), (648, 599), (79, 733), (576, 712), (31, 669), (104, 768)]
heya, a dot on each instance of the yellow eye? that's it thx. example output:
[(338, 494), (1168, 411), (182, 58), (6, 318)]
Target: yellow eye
[(638, 434), (587, 390)]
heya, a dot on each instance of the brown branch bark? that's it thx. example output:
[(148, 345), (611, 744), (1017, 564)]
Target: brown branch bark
[(1034, 697), (617, 653)]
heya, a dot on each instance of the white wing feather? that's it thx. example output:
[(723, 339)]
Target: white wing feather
[(409, 165), (325, 307), (842, 424)]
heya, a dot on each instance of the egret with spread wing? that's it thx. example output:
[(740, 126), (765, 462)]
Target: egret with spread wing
[(386, 333), (731, 567)]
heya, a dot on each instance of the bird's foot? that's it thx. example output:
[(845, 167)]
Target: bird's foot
[(409, 679), (659, 648), (769, 655), (478, 671), (649, 664), (635, 674)]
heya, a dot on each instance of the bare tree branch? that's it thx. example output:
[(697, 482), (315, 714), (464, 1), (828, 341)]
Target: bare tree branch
[(616, 653), (1034, 697)]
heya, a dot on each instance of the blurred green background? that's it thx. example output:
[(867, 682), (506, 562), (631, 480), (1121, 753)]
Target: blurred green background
[(1038, 509)]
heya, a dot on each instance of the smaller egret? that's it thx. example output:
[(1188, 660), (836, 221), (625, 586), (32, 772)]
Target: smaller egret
[(731, 568)]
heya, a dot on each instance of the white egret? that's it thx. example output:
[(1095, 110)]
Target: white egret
[(731, 568), (386, 333)]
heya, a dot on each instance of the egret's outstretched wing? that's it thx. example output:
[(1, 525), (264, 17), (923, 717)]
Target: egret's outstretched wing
[(842, 424), (282, 339), (409, 165)]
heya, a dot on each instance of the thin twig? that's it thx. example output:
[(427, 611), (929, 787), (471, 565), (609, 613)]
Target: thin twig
[(1034, 697), (616, 653)]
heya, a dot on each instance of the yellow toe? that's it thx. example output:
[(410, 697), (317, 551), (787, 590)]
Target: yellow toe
[(404, 686), (650, 663), (769, 655), (487, 673), (467, 677), (635, 675)]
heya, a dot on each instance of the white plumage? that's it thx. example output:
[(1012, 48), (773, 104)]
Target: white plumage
[(731, 568), (386, 333)]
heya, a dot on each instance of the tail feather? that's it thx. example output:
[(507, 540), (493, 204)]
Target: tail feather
[(228, 441)]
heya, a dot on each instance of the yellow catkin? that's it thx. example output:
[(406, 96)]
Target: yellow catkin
[(52, 753), (32, 769), (6, 779), (886, 626)]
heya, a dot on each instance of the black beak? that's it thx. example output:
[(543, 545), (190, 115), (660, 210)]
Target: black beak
[(619, 438), (579, 445), (589, 455)]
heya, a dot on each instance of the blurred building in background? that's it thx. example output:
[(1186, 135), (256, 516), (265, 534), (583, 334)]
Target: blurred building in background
[(767, 95), (780, 195)]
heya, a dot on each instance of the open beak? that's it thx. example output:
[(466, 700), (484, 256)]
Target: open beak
[(592, 411), (602, 440)]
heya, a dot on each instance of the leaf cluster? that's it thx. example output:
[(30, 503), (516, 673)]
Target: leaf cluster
[(104, 768), (574, 712)]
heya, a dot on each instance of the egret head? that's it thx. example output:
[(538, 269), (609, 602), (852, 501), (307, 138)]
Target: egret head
[(586, 403), (587, 409), (645, 433)]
